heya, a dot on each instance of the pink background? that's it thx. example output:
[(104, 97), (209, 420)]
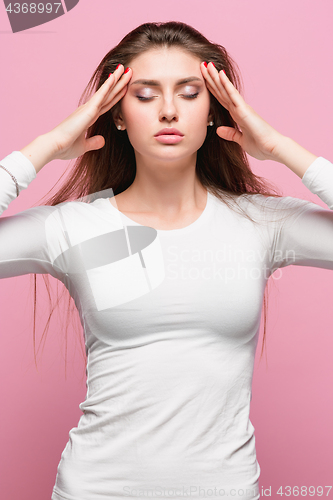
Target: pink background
[(284, 51)]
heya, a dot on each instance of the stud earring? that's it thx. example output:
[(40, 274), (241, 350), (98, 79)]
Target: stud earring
[(211, 123), (119, 127)]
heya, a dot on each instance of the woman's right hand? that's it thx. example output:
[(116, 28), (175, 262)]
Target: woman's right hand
[(69, 136)]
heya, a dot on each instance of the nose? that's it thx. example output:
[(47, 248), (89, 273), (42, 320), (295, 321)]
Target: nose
[(168, 109)]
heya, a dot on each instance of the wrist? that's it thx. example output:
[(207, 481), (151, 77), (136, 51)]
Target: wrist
[(40, 151), (293, 155), (281, 145)]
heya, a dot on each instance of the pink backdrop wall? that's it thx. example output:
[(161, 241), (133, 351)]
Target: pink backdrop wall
[(284, 51)]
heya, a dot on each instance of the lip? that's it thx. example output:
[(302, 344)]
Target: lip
[(169, 131), (169, 139)]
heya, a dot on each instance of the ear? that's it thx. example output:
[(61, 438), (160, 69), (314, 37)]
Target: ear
[(117, 116), (210, 117)]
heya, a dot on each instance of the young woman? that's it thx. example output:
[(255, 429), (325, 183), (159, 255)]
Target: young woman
[(166, 249)]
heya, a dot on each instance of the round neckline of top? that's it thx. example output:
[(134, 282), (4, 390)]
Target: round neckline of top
[(191, 227)]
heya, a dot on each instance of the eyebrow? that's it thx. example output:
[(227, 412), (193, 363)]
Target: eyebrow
[(156, 83)]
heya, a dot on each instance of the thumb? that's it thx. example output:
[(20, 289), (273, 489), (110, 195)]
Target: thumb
[(95, 142), (229, 133)]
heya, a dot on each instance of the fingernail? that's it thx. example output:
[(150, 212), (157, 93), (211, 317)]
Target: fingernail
[(127, 69), (224, 72), (213, 64), (117, 67), (109, 75), (205, 64)]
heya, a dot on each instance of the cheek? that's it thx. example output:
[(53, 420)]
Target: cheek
[(205, 108), (199, 122), (134, 113), (199, 109), (197, 116)]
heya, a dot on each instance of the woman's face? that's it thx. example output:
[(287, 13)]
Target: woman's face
[(148, 107)]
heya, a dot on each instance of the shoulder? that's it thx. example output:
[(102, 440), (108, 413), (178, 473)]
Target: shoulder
[(264, 209), (81, 220), (262, 202)]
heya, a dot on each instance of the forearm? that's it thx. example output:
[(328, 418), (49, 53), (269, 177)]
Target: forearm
[(294, 156), (40, 151)]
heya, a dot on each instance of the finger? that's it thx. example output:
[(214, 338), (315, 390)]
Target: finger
[(113, 101), (214, 80), (216, 85), (229, 134), (230, 89), (110, 96), (216, 94), (106, 88), (114, 94), (122, 82), (226, 105), (95, 142), (216, 89)]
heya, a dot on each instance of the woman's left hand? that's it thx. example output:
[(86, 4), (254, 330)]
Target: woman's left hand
[(257, 137)]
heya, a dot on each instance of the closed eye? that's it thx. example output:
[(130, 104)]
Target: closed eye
[(187, 96)]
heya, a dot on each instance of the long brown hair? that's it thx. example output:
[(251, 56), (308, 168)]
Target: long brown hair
[(222, 166)]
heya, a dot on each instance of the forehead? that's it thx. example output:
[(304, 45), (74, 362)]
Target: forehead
[(161, 62)]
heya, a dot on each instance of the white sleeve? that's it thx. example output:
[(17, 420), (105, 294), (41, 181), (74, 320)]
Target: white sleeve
[(305, 235), (24, 172), (24, 247)]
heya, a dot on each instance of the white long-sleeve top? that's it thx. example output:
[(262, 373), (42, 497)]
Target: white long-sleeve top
[(171, 321)]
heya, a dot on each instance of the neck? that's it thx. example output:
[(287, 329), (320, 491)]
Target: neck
[(167, 188)]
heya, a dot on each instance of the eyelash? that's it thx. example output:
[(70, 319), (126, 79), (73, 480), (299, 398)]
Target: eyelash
[(189, 96)]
